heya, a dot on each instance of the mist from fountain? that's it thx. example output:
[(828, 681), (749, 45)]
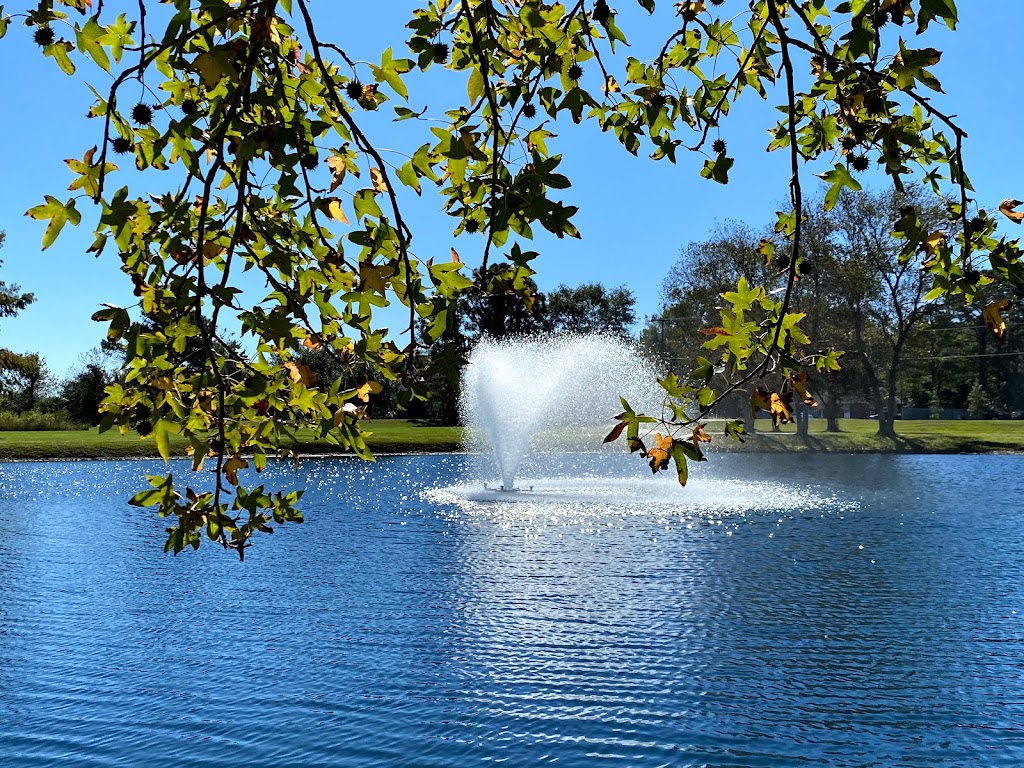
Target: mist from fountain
[(526, 398)]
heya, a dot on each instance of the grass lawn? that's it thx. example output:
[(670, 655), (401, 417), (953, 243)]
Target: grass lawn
[(399, 435), (389, 436)]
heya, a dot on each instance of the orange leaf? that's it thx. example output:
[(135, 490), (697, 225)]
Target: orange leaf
[(1007, 209), (300, 373), (659, 456), (455, 256), (994, 319), (716, 331)]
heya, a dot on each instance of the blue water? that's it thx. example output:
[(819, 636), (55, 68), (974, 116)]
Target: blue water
[(790, 611)]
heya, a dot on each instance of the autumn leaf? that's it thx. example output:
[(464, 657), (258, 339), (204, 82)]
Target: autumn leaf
[(659, 455), (1007, 208), (994, 319), (716, 331), (338, 166), (336, 211), (612, 436), (368, 98), (700, 436), (311, 342), (300, 373), (780, 408), (348, 410), (368, 388), (455, 256), (799, 384), (611, 85), (377, 177), (231, 467), (933, 241)]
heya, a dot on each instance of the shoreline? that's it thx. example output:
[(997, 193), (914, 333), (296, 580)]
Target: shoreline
[(409, 438)]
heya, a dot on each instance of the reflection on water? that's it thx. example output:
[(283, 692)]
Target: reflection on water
[(837, 610)]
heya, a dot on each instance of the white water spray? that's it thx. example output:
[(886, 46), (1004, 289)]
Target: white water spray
[(525, 397)]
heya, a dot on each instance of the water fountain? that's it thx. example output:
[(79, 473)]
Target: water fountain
[(532, 398)]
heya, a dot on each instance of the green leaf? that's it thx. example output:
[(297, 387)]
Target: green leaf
[(475, 86), (162, 434), (58, 214), (838, 178)]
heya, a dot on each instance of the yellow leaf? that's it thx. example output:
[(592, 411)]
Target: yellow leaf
[(210, 70), (367, 389), (1007, 209), (659, 455), (798, 383), (611, 85), (372, 277), (994, 319), (780, 408), (377, 177), (300, 373), (231, 467), (338, 166), (336, 211), (933, 241)]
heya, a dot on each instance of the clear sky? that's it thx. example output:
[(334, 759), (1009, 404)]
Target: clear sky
[(635, 214)]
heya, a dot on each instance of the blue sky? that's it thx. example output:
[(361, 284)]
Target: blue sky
[(634, 214)]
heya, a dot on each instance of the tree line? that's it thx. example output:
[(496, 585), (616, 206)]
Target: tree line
[(859, 292)]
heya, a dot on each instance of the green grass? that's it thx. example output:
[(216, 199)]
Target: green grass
[(398, 435), (389, 436), (860, 436)]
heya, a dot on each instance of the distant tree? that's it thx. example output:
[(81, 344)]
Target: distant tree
[(879, 292), (504, 301), (591, 308), (83, 393), (12, 300)]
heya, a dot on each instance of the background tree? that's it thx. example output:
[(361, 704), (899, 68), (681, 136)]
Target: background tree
[(504, 301), (591, 308), (83, 393)]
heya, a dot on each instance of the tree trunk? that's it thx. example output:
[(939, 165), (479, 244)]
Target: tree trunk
[(832, 414), (801, 413)]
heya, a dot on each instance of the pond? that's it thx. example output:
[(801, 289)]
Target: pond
[(782, 611)]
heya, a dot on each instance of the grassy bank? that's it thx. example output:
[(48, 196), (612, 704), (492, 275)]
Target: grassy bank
[(397, 435), (389, 436)]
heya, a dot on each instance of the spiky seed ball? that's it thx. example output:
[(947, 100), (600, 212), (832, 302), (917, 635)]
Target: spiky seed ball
[(529, 111), (189, 106), (575, 72), (875, 104), (472, 226), (977, 224), (719, 146), (848, 143), (806, 267), (440, 52), (309, 162), (44, 36), (142, 114), (859, 162), (782, 260), (601, 11), (657, 100), (717, 2), (354, 89), (144, 428), (121, 145)]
